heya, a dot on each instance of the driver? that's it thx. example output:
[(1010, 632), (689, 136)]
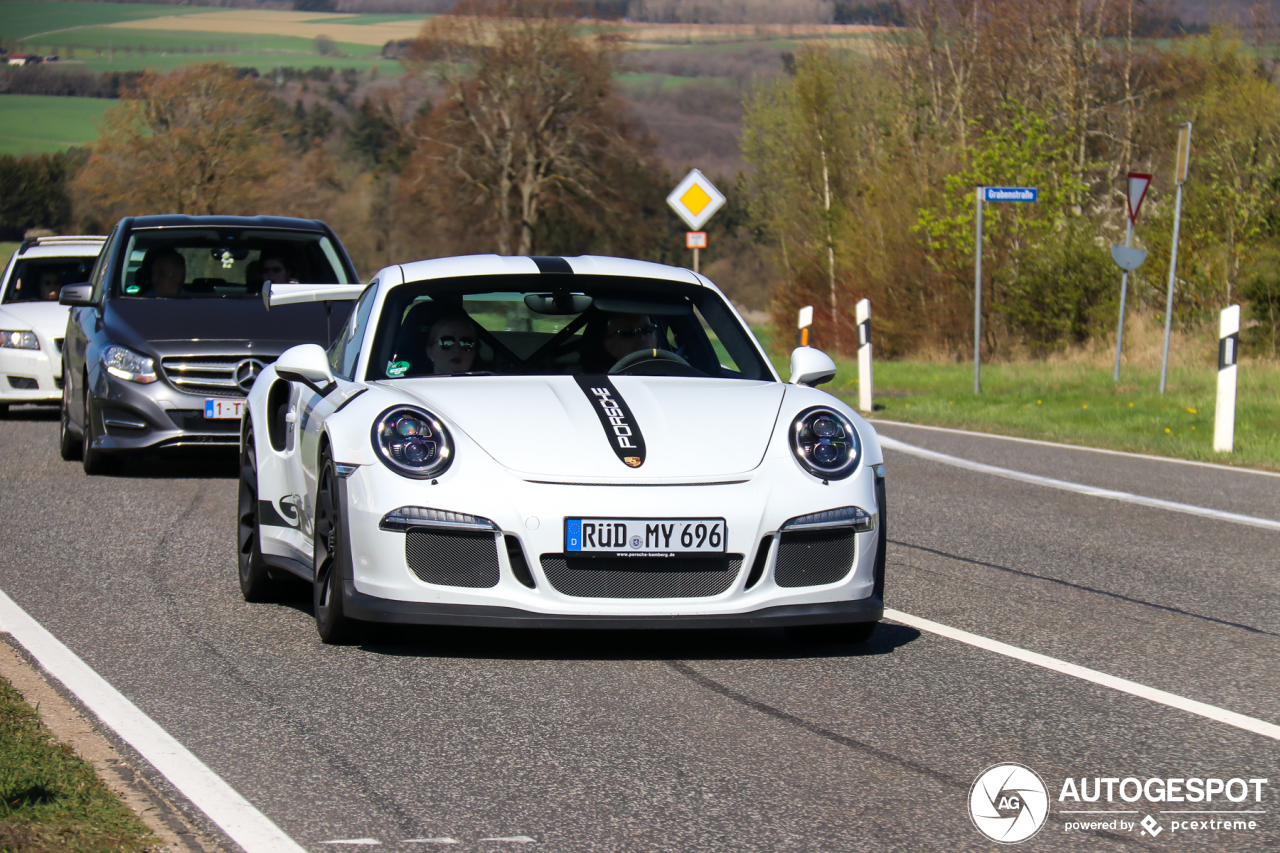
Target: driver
[(628, 333), (50, 285), (167, 271)]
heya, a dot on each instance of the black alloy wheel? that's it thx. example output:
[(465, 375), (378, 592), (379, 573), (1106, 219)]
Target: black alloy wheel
[(329, 550), (68, 444), (256, 582), (94, 462)]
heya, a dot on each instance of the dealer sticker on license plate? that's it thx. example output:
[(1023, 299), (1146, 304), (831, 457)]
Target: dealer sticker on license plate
[(223, 409), (643, 537)]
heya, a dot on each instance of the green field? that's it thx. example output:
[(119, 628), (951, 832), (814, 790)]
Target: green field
[(35, 124), (1079, 404), (22, 19)]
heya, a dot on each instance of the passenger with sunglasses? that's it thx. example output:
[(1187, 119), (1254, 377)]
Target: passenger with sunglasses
[(452, 344)]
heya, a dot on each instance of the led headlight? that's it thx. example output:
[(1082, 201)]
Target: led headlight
[(412, 442), (825, 443), (19, 340), (124, 363)]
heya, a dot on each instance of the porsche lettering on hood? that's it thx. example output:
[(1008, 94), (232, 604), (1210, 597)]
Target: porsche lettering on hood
[(620, 426), (548, 426)]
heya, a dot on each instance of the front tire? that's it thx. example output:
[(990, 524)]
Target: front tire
[(329, 553), (256, 583), (95, 462), (68, 444)]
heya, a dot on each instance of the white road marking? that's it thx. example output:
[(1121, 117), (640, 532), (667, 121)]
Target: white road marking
[(1079, 488), (1235, 469), (232, 813), (430, 841), (1124, 685), (366, 842)]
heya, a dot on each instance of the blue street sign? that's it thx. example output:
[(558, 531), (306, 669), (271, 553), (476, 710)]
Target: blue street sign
[(1011, 194)]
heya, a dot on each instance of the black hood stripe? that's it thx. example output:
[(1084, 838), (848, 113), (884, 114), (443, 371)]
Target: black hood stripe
[(620, 427), (552, 264)]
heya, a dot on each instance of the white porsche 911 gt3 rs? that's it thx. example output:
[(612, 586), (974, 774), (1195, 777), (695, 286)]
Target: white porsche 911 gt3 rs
[(557, 442)]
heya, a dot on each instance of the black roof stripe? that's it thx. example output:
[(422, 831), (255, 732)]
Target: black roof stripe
[(548, 263)]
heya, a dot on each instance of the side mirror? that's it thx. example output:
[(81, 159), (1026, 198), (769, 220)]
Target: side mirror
[(309, 365), (76, 295), (811, 366)]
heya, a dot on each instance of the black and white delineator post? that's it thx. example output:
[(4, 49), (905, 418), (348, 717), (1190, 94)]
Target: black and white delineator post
[(865, 396), (1127, 257), (1224, 416)]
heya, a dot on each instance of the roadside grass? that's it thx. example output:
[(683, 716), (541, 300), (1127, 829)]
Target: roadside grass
[(50, 799), (1074, 403), (35, 124)]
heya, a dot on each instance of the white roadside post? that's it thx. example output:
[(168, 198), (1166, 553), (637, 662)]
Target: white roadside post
[(806, 320), (1127, 257), (987, 194), (695, 199), (1224, 415), (865, 396), (1180, 177)]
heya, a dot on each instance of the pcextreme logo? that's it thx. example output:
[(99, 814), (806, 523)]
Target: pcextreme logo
[(1009, 803)]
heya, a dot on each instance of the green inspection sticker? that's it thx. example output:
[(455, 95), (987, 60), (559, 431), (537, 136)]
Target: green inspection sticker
[(397, 368)]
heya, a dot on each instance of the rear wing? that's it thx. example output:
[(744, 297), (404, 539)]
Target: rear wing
[(293, 294)]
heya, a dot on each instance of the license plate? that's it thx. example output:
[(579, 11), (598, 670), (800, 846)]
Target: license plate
[(223, 409), (643, 537)]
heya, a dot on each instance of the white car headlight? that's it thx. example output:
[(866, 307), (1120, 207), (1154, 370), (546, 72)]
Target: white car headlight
[(19, 340), (825, 443), (412, 442), (124, 363)]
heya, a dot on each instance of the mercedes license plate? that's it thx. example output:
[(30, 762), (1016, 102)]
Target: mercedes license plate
[(644, 537), (223, 409)]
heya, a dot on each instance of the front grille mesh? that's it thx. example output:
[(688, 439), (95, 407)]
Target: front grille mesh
[(23, 383), (641, 577), (815, 558), (206, 374), (453, 559), (193, 420)]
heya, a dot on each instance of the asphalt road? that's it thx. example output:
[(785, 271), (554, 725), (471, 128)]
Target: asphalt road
[(690, 742)]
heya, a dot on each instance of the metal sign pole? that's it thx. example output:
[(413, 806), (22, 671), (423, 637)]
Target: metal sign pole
[(1180, 176), (977, 297), (1124, 287), (695, 260)]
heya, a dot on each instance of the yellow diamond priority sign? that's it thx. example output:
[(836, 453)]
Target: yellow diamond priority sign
[(695, 199)]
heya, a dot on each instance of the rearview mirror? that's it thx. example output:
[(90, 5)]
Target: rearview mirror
[(309, 365), (76, 295), (811, 367)]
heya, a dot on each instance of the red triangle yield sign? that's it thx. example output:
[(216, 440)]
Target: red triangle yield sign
[(1139, 183)]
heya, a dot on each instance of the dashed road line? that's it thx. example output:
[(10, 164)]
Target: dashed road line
[(1124, 685), (229, 811), (1078, 488)]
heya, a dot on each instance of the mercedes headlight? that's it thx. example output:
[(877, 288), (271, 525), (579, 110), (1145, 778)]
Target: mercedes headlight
[(412, 442), (124, 363), (825, 443), (19, 340)]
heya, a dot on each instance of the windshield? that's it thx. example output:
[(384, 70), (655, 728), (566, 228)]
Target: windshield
[(40, 279), (223, 263), (494, 325)]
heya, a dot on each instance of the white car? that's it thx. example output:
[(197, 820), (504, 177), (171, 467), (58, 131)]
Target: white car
[(32, 323), (557, 442)]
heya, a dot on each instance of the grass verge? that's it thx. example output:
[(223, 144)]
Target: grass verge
[(50, 799), (1079, 404)]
